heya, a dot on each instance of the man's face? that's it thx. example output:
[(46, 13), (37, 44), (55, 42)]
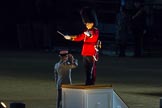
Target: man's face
[(65, 57), (89, 25)]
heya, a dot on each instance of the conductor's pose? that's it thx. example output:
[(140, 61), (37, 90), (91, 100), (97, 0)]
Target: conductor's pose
[(90, 46)]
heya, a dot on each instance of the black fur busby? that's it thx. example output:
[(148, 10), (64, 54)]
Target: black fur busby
[(88, 15)]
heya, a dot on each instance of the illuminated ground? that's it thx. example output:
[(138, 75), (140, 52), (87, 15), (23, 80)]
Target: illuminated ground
[(28, 77)]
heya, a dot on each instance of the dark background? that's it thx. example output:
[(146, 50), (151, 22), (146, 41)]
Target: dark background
[(32, 24)]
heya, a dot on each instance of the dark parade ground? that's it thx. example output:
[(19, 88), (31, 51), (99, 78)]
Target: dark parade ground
[(27, 77)]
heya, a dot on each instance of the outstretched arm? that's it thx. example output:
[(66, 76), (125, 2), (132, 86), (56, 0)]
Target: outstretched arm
[(67, 37)]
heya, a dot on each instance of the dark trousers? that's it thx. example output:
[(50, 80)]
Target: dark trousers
[(59, 98), (90, 69)]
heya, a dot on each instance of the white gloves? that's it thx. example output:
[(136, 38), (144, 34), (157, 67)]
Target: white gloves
[(67, 37), (88, 33)]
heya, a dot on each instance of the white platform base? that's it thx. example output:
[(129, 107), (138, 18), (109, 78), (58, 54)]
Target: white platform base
[(96, 96)]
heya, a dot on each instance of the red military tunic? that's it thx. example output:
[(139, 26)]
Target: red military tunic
[(88, 48)]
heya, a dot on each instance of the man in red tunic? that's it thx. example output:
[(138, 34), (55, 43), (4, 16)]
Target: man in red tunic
[(90, 38)]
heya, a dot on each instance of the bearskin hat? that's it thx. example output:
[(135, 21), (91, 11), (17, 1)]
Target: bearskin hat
[(88, 15)]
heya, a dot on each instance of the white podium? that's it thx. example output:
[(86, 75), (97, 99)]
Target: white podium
[(93, 96)]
